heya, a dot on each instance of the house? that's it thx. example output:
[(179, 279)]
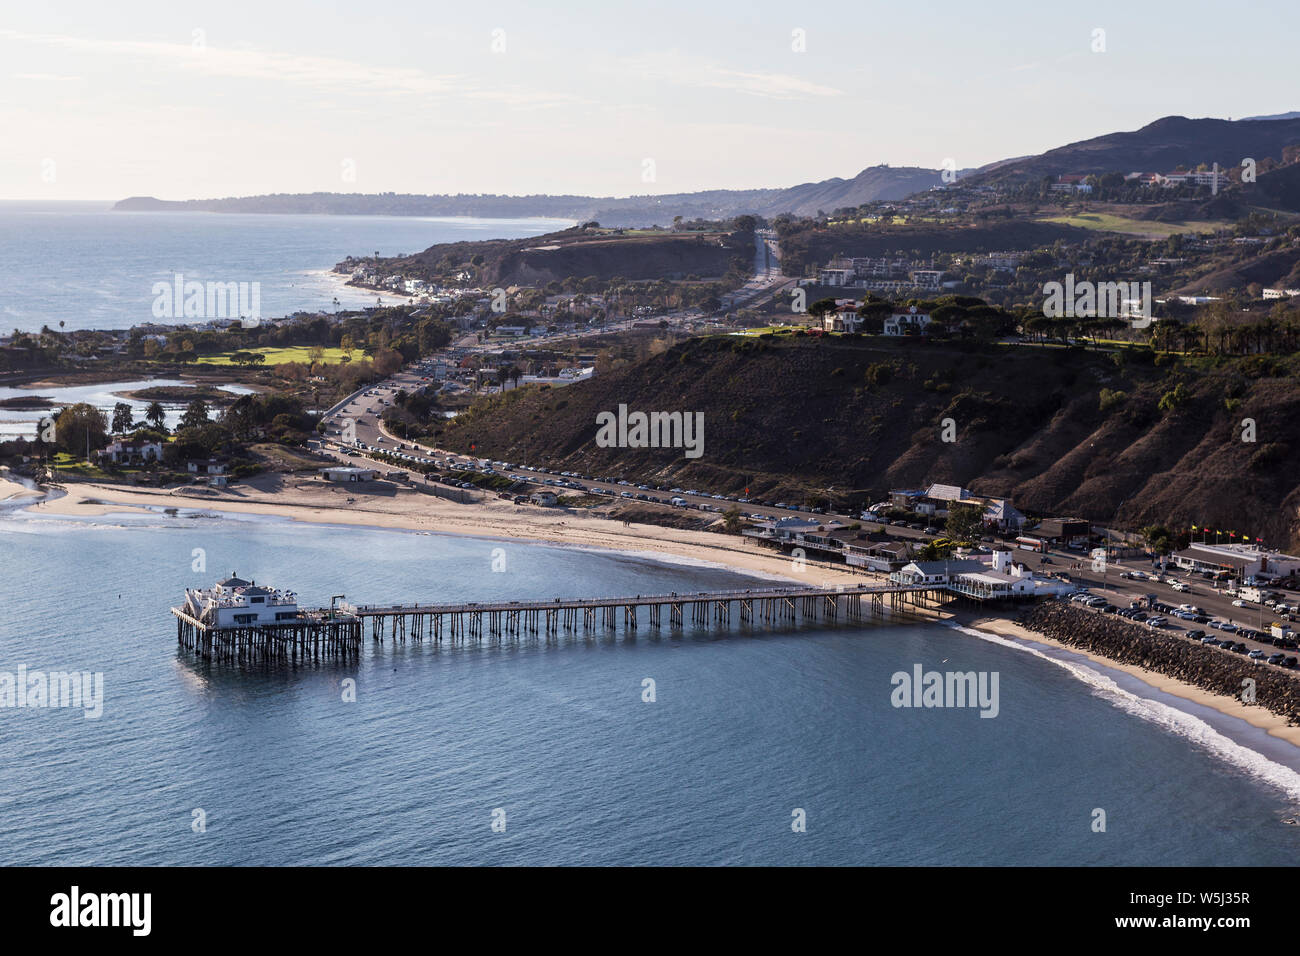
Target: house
[(845, 318), (546, 499), (936, 501), (348, 473), (211, 466), (910, 322), (885, 556), (1071, 182), (124, 452)]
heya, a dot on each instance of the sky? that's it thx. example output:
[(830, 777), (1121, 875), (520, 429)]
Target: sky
[(181, 101)]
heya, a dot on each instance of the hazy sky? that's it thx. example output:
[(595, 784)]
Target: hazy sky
[(105, 100)]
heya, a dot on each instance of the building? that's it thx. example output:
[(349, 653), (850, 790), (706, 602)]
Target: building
[(845, 318), (124, 452), (1062, 530), (211, 466), (235, 602), (346, 473), (1241, 560), (836, 276), (928, 279), (1006, 579), (910, 322), (935, 572), (546, 499), (936, 501), (885, 556)]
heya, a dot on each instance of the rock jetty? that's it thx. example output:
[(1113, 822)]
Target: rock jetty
[(1210, 668)]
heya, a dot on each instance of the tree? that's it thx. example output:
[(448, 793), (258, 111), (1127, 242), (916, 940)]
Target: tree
[(964, 522), (156, 415), (196, 414), (122, 418), (79, 428), (731, 519), (1158, 538)]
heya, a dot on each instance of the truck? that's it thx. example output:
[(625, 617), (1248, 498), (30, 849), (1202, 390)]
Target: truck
[(677, 502), (1280, 630), (1252, 594)]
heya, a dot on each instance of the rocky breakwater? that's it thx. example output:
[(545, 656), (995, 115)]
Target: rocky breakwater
[(1210, 668)]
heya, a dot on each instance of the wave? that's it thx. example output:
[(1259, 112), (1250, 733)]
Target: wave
[(1166, 716)]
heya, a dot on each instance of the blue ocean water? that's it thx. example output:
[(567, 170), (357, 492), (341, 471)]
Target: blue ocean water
[(747, 727), (90, 268)]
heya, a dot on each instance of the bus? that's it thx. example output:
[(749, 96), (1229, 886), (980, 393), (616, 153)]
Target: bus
[(1031, 544)]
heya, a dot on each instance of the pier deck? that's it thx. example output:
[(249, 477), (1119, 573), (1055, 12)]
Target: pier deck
[(777, 605)]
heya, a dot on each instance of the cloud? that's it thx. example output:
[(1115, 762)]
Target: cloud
[(200, 58), (675, 68)]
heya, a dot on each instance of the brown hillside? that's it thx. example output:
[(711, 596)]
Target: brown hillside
[(789, 417)]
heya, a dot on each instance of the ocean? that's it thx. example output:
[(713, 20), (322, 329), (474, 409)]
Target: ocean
[(748, 732), (80, 264)]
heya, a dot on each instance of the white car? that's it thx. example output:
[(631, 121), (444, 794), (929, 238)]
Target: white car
[(1239, 603)]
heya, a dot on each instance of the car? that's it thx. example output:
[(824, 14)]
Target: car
[(1238, 648), (1276, 658), (1289, 662), (1256, 655), (1239, 603)]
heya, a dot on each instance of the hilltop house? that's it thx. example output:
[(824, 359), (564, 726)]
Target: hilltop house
[(845, 318), (910, 322)]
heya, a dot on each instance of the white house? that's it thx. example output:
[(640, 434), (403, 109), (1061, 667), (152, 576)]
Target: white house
[(910, 322), (235, 602), (123, 452)]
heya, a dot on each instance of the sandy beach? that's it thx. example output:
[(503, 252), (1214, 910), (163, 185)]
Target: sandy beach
[(313, 500), (1274, 724)]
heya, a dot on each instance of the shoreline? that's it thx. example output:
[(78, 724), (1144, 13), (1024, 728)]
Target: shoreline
[(1275, 725)]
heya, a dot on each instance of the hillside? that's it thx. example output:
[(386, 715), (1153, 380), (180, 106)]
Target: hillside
[(1157, 147), (806, 243), (576, 252), (790, 417), (878, 182)]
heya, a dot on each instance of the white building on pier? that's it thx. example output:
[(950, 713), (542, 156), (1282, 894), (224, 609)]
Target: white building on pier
[(235, 602)]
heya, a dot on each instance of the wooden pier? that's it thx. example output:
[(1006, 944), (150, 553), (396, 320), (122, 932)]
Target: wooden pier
[(313, 636), (777, 607)]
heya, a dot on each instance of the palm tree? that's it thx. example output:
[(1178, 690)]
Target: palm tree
[(155, 415)]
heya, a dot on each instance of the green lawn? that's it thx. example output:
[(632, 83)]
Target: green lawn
[(1108, 222), (293, 353), (66, 464)]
